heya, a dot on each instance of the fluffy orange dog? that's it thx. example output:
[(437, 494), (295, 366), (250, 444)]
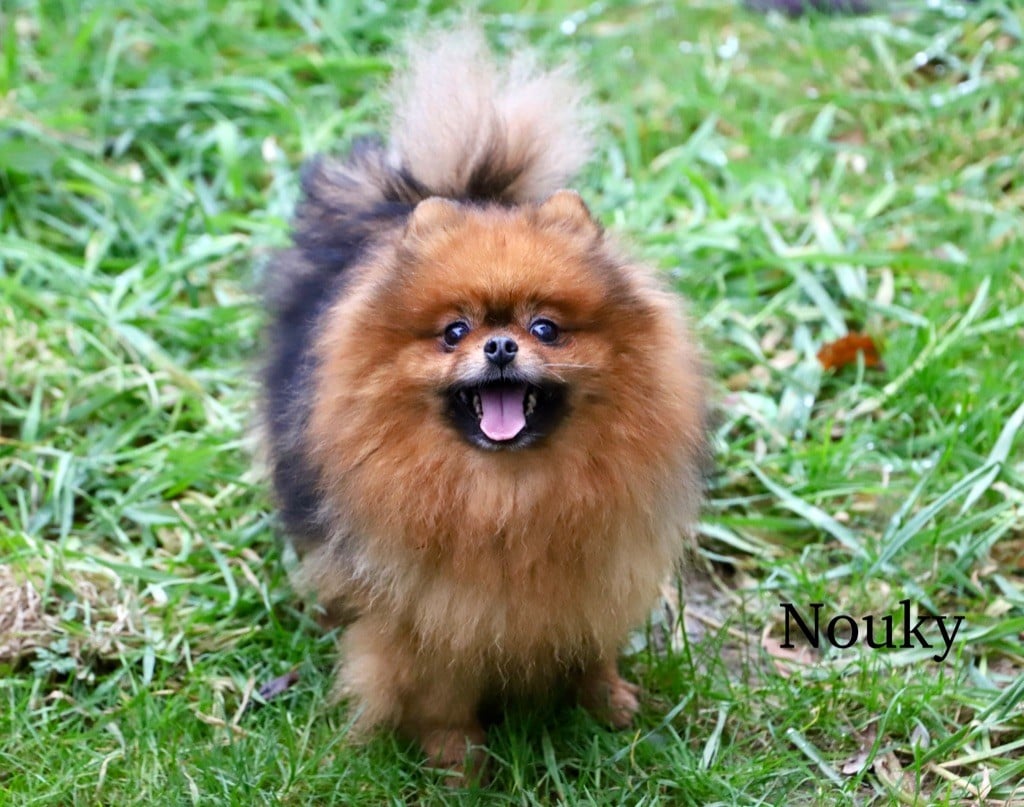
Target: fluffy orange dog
[(486, 422)]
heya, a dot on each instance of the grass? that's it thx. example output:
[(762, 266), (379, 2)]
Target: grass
[(796, 179)]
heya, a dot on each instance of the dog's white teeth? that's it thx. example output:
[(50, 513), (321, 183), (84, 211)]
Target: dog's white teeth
[(531, 402), (477, 406), (464, 396)]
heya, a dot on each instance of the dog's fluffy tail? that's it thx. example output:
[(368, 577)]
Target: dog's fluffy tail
[(467, 129), (463, 127)]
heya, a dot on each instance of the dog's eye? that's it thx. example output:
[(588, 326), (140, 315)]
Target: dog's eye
[(544, 330), (455, 333)]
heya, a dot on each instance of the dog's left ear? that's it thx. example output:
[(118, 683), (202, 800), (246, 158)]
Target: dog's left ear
[(566, 208), (431, 214)]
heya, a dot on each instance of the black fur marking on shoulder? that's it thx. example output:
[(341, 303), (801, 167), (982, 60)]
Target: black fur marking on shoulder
[(287, 378), (331, 234)]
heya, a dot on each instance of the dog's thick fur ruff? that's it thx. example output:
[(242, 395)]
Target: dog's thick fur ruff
[(471, 574)]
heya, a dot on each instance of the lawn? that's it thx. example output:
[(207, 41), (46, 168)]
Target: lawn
[(797, 180)]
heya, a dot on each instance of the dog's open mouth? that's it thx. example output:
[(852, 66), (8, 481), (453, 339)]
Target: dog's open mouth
[(506, 414)]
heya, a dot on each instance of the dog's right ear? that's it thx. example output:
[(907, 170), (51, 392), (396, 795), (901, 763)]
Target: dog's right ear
[(566, 208), (433, 213)]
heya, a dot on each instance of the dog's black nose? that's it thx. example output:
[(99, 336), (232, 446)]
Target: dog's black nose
[(500, 350)]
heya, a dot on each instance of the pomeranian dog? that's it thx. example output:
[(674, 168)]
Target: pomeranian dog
[(486, 422)]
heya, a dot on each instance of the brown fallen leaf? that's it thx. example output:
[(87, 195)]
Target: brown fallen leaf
[(888, 769), (282, 683), (859, 761), (843, 351), (787, 659)]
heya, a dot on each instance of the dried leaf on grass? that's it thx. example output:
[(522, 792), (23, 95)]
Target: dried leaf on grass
[(888, 769), (23, 624), (843, 351), (859, 761), (107, 618), (279, 685), (785, 658)]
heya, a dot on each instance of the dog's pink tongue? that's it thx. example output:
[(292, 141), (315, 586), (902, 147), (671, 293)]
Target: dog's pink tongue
[(503, 415)]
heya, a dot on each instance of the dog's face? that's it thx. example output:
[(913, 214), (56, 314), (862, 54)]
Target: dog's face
[(511, 320), (481, 358)]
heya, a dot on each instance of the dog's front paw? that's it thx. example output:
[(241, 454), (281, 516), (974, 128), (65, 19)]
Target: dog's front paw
[(623, 702), (460, 752), (610, 697)]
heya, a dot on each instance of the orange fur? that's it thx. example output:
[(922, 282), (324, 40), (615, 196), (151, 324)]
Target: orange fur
[(473, 574), (488, 571)]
